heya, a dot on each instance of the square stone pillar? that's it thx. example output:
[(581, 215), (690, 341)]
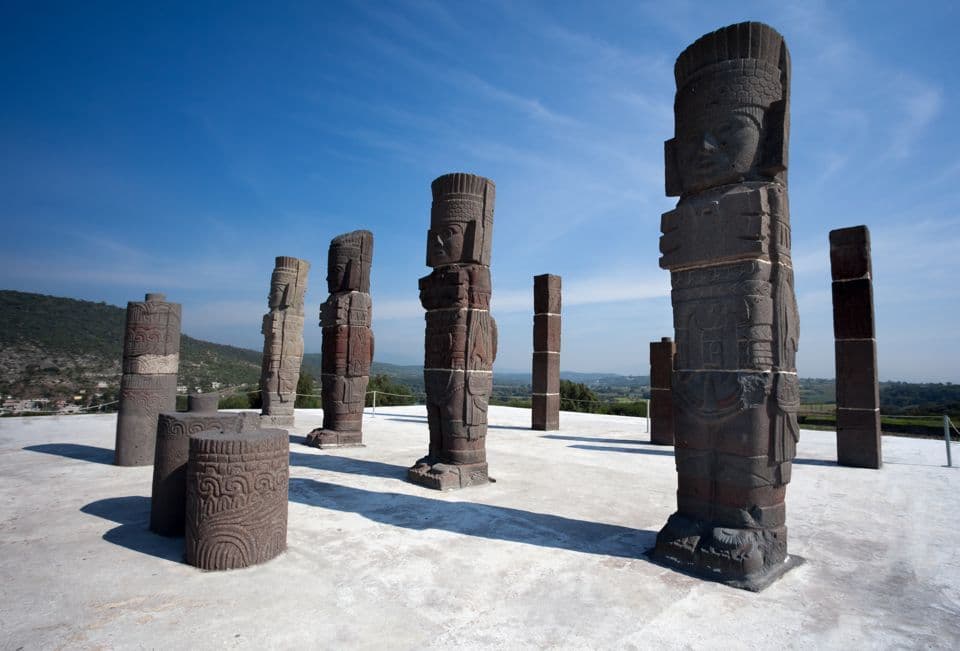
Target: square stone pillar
[(546, 352), (858, 391), (661, 399)]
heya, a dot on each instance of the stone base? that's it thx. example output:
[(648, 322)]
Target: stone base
[(329, 438), (446, 476), (267, 421), (750, 559)]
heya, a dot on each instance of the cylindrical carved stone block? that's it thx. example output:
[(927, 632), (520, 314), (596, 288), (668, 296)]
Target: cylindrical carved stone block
[(236, 513), (170, 465), (461, 336), (283, 340), (151, 357), (347, 341), (727, 246), (546, 353), (661, 398), (858, 388)]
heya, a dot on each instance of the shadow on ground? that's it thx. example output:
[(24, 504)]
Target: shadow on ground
[(133, 515), (588, 439), (814, 462), (75, 451), (605, 448), (423, 419), (472, 519), (348, 465)]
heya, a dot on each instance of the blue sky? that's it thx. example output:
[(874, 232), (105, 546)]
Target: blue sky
[(179, 148)]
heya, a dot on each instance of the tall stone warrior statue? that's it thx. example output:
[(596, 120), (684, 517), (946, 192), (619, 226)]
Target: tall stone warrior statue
[(347, 341), (461, 336), (151, 359), (283, 341), (727, 246)]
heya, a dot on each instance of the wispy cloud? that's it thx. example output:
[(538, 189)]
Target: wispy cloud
[(920, 103)]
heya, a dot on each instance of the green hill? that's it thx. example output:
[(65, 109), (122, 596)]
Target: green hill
[(55, 347)]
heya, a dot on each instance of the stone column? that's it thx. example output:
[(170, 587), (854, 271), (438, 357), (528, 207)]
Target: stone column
[(237, 489), (858, 390), (461, 336), (727, 246), (283, 341), (347, 341), (170, 467), (661, 399), (151, 358), (546, 352)]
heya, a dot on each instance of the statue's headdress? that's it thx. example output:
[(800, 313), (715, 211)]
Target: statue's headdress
[(743, 68), (467, 199)]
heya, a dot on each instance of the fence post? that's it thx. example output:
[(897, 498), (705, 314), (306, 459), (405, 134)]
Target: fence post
[(374, 404), (946, 439)]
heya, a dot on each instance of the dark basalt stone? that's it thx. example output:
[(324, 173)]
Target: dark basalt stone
[(347, 341), (461, 336), (661, 397), (858, 388), (151, 359), (545, 405), (237, 489), (733, 387)]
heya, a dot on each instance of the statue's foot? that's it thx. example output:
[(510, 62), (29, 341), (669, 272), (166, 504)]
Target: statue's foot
[(430, 473), (742, 558), (329, 438)]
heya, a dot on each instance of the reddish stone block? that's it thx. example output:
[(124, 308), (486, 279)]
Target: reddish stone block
[(546, 294), (546, 333), (850, 253), (858, 438), (857, 382), (853, 309), (546, 373), (546, 412)]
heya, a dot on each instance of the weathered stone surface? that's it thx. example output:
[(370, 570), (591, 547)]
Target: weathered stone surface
[(236, 508), (850, 253), (853, 309), (168, 498), (547, 296), (461, 337), (283, 340), (661, 397), (858, 438), (727, 245), (857, 383), (546, 352), (546, 333), (151, 358), (858, 390), (546, 411), (546, 373), (347, 341)]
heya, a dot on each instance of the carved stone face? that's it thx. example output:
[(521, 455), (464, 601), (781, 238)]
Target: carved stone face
[(715, 148), (446, 244), (340, 275)]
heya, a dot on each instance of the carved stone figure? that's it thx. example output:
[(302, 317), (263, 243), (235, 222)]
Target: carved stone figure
[(283, 341), (170, 466), (727, 246), (151, 358), (461, 336), (546, 352), (347, 341), (237, 485), (858, 389), (661, 398)]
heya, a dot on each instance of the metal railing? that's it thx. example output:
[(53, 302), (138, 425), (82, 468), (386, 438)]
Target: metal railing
[(947, 425)]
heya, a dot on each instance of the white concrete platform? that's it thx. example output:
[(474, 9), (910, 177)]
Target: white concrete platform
[(550, 556)]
